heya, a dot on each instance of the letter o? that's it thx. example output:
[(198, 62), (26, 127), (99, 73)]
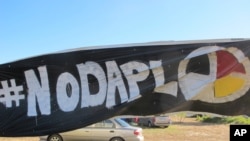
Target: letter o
[(67, 98)]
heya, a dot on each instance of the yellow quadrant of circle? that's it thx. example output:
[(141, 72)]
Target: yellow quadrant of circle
[(227, 85)]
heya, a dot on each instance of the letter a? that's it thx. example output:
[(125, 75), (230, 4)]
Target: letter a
[(237, 132)]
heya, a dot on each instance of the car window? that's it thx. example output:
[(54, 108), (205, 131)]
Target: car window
[(122, 122), (91, 126), (105, 124)]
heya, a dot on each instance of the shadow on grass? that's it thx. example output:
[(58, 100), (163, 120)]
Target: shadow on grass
[(194, 123)]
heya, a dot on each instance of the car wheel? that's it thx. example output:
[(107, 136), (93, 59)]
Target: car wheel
[(55, 137), (116, 139), (149, 124)]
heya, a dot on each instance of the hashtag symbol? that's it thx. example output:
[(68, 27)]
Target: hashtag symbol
[(12, 93)]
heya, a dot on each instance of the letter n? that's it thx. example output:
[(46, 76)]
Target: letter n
[(38, 92)]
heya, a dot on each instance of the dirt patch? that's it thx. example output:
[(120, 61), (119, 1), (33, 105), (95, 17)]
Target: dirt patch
[(186, 129)]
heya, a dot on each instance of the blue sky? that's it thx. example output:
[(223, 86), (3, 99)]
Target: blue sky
[(31, 27)]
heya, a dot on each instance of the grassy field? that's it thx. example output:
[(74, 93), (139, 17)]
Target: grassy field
[(182, 129), (188, 130)]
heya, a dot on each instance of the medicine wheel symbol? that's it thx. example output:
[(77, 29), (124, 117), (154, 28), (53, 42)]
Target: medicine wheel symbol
[(214, 74)]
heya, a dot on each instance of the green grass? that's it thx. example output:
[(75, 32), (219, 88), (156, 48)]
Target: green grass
[(224, 119)]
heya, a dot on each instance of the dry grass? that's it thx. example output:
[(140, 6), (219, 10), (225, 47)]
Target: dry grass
[(187, 129)]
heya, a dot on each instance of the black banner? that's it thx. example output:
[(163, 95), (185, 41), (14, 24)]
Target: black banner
[(72, 89)]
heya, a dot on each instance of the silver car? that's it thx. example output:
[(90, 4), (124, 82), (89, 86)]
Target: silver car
[(150, 121), (114, 129)]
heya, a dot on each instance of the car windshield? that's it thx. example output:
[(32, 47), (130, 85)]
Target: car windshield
[(122, 122)]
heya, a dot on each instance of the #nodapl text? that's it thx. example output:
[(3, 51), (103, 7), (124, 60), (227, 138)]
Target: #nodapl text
[(69, 91)]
